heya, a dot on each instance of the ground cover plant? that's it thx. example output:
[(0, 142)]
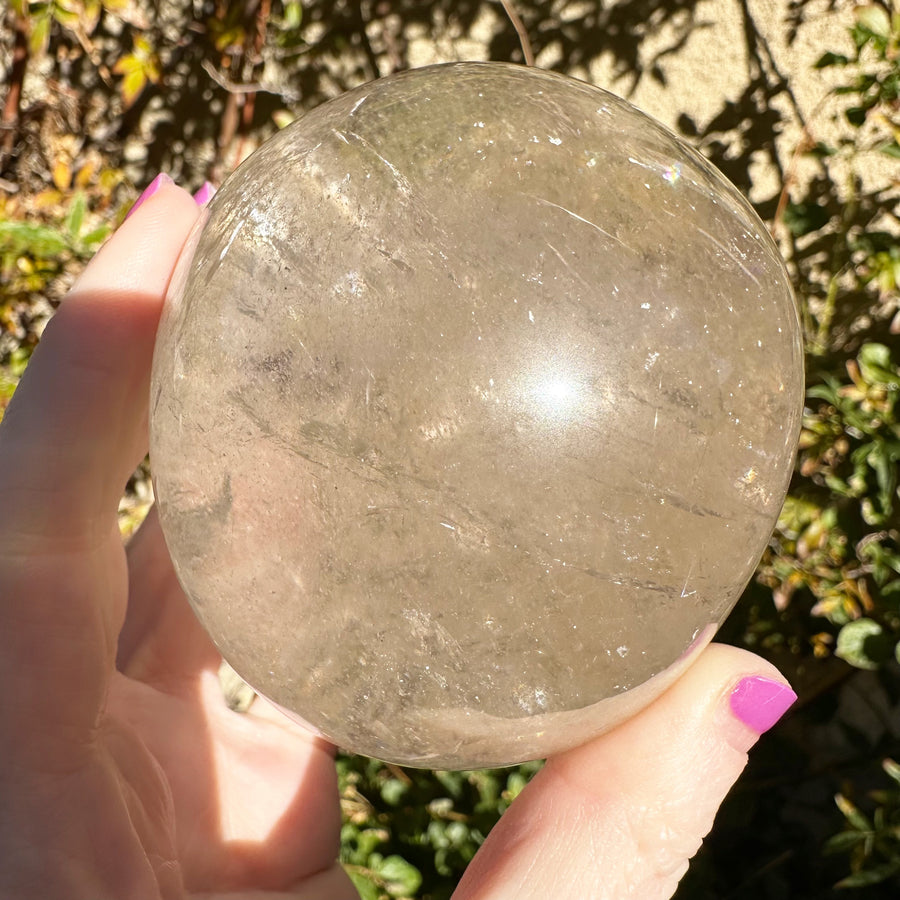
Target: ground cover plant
[(102, 94)]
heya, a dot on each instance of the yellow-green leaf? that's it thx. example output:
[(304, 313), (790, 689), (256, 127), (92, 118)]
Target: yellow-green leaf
[(293, 14), (875, 19), (65, 14), (142, 46), (62, 174), (230, 37), (132, 85), (126, 64), (863, 644), (40, 34), (86, 173), (90, 15), (151, 71), (75, 216)]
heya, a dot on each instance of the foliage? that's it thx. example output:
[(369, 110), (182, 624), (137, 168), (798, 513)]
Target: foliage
[(873, 841), (43, 244), (837, 539), (137, 69), (30, 250), (836, 544), (409, 832), (844, 235), (875, 85), (834, 561)]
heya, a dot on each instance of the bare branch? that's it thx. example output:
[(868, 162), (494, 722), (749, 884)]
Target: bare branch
[(519, 25), (10, 119), (234, 88)]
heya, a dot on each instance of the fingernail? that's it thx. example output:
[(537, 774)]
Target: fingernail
[(205, 194), (760, 702), (158, 182)]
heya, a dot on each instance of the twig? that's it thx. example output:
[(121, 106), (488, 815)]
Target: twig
[(519, 25), (229, 85), (369, 51), (235, 88), (12, 107)]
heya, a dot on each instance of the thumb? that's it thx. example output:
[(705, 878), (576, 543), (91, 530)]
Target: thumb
[(621, 816)]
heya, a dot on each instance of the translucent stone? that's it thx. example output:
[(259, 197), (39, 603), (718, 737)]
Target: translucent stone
[(474, 403)]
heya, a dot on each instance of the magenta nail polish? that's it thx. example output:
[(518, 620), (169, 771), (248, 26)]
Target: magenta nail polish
[(150, 190), (760, 702), (205, 194)]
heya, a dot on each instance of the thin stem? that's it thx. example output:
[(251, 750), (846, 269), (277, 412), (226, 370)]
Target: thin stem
[(519, 25), (12, 107)]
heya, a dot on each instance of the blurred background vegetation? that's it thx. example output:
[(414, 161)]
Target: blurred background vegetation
[(100, 95)]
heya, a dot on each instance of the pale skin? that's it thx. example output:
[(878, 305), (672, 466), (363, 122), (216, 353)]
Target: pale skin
[(122, 772)]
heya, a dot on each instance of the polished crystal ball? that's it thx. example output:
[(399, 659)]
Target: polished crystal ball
[(474, 402)]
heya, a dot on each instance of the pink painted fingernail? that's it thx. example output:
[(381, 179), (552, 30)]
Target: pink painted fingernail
[(158, 182), (205, 194), (760, 702)]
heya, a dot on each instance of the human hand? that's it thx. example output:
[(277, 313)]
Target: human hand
[(123, 773)]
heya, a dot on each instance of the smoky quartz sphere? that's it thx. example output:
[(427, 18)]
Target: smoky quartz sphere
[(474, 403)]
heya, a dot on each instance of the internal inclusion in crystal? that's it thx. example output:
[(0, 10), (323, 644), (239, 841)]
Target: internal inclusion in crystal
[(474, 403)]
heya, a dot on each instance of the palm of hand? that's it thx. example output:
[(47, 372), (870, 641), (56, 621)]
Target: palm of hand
[(187, 795), (124, 774)]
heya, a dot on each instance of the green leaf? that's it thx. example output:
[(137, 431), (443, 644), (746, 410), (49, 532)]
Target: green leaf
[(393, 791), (25, 239), (293, 15), (66, 17), (891, 148), (876, 366), (853, 816), (75, 216), (40, 34), (866, 877), (827, 391), (452, 782), (882, 461), (401, 879), (822, 150), (891, 768), (366, 888), (18, 361), (803, 218), (844, 841), (95, 237), (863, 644), (516, 783)]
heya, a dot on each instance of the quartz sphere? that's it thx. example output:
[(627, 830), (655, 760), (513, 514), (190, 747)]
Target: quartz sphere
[(474, 403)]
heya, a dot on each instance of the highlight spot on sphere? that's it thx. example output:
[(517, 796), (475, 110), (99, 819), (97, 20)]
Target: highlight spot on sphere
[(474, 403)]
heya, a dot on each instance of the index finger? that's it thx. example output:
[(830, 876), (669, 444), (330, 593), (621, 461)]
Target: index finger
[(72, 435)]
